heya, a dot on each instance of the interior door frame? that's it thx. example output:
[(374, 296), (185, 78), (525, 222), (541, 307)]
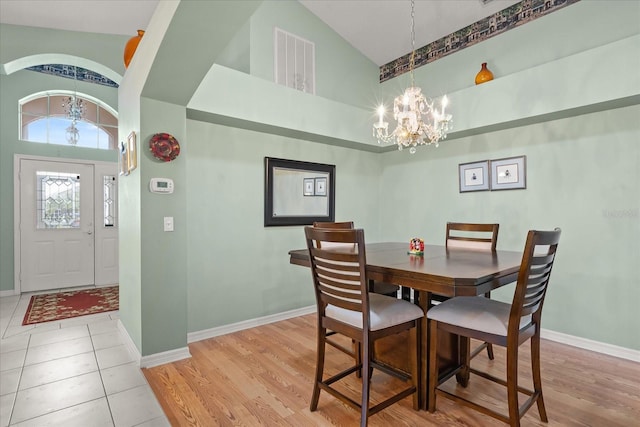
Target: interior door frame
[(17, 158)]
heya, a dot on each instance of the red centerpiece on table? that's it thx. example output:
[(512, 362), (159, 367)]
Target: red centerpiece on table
[(416, 246)]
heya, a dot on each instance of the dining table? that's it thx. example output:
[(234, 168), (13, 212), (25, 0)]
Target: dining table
[(438, 270)]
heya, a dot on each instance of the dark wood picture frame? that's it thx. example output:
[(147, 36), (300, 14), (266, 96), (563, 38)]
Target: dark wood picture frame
[(292, 195)]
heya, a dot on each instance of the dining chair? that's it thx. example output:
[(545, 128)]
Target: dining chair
[(345, 305), (378, 287), (503, 324), (472, 236), (475, 236)]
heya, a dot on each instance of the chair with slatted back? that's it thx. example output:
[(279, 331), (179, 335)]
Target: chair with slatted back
[(472, 236), (378, 287), (503, 324), (345, 305), (483, 237)]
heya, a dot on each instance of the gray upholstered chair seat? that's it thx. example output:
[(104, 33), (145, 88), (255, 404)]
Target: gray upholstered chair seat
[(498, 323), (338, 269), (477, 313), (384, 312)]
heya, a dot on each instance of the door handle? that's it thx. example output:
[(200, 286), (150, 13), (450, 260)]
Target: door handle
[(90, 232)]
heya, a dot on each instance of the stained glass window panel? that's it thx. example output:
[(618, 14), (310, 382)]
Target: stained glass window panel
[(109, 184), (57, 200)]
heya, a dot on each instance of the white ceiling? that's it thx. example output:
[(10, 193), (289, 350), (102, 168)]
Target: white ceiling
[(380, 29)]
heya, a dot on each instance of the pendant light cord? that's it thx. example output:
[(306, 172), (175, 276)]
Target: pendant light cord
[(413, 43)]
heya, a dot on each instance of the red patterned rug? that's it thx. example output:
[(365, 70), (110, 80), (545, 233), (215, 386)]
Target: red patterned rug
[(64, 305)]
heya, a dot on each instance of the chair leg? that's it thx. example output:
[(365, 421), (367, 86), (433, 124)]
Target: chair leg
[(433, 364), (357, 353), (414, 357), (366, 383), (489, 345), (512, 385), (320, 350), (537, 378), (490, 351), (464, 359)]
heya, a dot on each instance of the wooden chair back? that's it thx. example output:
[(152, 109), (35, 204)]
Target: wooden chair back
[(339, 272), (533, 278), (472, 236), (484, 319), (344, 225)]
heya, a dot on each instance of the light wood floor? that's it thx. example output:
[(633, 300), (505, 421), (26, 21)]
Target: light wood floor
[(263, 377)]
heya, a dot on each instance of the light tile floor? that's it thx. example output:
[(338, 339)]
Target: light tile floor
[(74, 372)]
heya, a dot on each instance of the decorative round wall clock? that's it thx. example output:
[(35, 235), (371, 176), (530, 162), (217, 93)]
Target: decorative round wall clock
[(164, 147)]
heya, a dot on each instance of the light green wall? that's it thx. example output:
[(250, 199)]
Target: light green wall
[(197, 277), (583, 175), (152, 295), (197, 34), (163, 254), (238, 269), (14, 87), (17, 42), (237, 54), (576, 28), (278, 109), (342, 73)]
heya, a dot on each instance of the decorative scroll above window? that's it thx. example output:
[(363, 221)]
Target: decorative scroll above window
[(68, 72)]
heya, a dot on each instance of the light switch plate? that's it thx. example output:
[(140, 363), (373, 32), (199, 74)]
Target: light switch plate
[(168, 223)]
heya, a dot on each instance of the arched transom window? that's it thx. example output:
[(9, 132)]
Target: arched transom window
[(68, 118)]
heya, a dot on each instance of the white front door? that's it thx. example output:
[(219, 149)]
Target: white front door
[(57, 245)]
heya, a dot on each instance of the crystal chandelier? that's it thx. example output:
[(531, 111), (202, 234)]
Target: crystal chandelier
[(420, 122), (74, 108)]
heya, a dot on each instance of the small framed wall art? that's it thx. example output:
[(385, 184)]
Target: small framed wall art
[(509, 173), (308, 187), (321, 186), (132, 151), (474, 176)]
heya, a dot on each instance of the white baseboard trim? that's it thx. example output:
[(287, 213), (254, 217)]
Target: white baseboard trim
[(9, 293), (587, 344), (165, 357), (128, 342), (153, 359), (247, 324), (183, 353)]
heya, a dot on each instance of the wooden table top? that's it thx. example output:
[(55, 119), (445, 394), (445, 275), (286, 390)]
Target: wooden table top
[(449, 272)]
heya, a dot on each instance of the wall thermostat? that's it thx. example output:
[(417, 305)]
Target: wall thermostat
[(161, 185)]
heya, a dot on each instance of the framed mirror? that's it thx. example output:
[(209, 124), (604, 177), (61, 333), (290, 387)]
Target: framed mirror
[(298, 193)]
